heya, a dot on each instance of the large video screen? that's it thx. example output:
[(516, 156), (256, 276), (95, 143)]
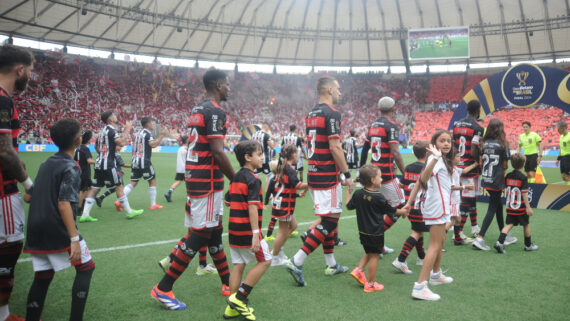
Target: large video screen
[(439, 43)]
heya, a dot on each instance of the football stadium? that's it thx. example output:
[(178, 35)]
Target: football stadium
[(325, 160)]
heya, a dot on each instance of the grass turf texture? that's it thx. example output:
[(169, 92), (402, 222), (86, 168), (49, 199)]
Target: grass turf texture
[(428, 49), (520, 285)]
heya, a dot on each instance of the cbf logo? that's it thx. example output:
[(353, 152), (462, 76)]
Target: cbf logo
[(523, 85)]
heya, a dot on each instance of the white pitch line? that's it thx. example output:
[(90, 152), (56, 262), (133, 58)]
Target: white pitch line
[(131, 246)]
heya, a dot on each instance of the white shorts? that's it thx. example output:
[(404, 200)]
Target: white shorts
[(446, 218), (327, 201), (470, 193), (286, 219), (59, 261), (393, 192), (12, 218), (206, 211), (454, 210), (244, 256)]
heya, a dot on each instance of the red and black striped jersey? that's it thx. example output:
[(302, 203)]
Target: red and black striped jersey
[(467, 132), (203, 175), (245, 189), (10, 125), (381, 134), (517, 184), (412, 173), (322, 123), (285, 192)]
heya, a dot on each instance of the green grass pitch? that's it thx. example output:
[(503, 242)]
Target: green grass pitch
[(487, 286), (428, 49)]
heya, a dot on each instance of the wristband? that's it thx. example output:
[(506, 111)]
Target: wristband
[(28, 183), (75, 238), (462, 187), (255, 231), (341, 177), (347, 174), (437, 157)]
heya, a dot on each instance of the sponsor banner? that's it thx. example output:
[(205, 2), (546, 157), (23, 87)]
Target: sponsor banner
[(521, 86), (542, 196), (125, 149)]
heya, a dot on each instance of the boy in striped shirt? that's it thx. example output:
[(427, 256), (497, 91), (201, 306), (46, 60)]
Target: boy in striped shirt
[(246, 242)]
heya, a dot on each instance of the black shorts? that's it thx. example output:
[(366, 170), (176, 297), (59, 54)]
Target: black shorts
[(179, 177), (414, 219), (565, 165), (264, 169), (372, 244), (146, 173), (107, 177), (352, 165), (85, 183), (531, 163), (521, 220)]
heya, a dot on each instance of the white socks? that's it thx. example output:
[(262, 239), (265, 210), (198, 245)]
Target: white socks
[(330, 260), (152, 195), (125, 202), (89, 201), (299, 257), (128, 189), (4, 312)]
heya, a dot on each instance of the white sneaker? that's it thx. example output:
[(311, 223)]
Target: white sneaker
[(475, 230), (510, 240), (480, 244), (439, 278), (276, 261), (388, 250), (208, 269), (422, 292), (532, 247), (419, 261), (402, 266)]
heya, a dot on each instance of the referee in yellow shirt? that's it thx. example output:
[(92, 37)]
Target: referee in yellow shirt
[(564, 158), (530, 143)]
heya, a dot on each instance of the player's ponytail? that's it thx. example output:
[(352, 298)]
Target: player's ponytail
[(287, 152)]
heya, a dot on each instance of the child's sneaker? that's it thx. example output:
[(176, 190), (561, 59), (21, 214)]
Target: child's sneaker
[(241, 307), (373, 287), (422, 292), (164, 264), (293, 234), (296, 272), (98, 201), (387, 250), (270, 238), (229, 313), (156, 207), (225, 290), (339, 242), (118, 206), (500, 248), (480, 244), (206, 269), (276, 261), (358, 275), (402, 266), (459, 242), (532, 247), (475, 230), (167, 299), (510, 239), (168, 197), (419, 261), (439, 278), (337, 269)]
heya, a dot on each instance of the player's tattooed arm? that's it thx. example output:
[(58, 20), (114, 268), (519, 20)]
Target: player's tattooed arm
[(9, 158)]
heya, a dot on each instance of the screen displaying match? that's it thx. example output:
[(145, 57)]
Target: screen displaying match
[(439, 43)]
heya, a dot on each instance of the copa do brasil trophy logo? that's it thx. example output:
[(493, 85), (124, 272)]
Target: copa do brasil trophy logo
[(523, 85)]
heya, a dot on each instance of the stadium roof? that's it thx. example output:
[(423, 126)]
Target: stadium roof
[(293, 32)]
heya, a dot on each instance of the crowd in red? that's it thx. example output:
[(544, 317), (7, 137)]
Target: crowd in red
[(70, 86)]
